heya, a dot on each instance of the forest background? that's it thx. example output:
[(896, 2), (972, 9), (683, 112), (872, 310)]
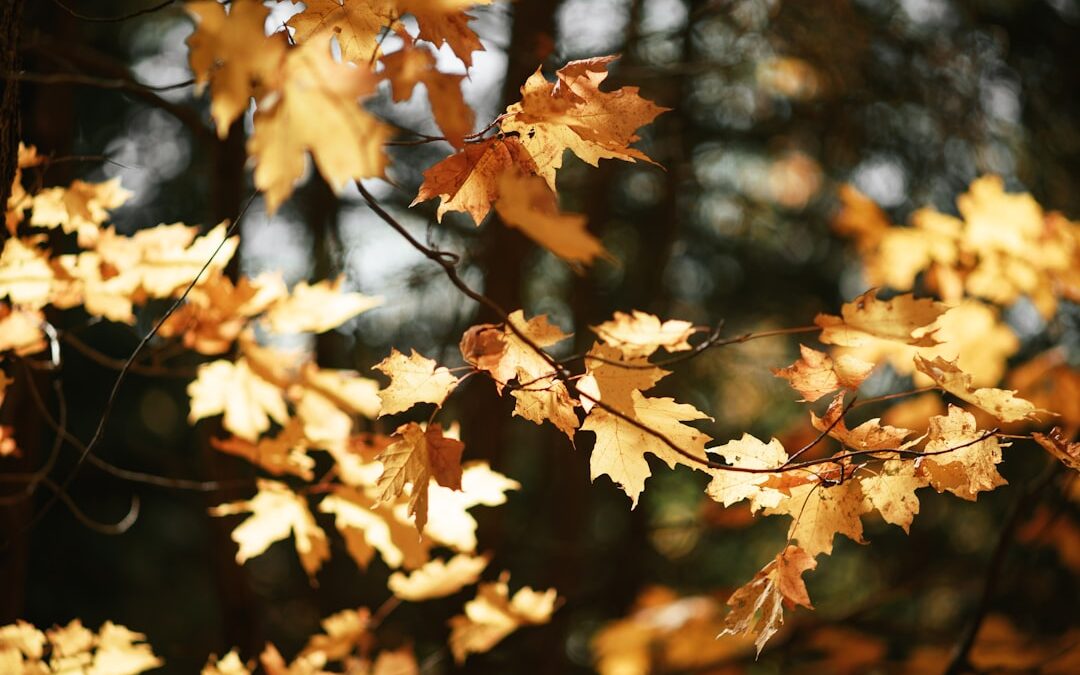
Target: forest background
[(775, 107)]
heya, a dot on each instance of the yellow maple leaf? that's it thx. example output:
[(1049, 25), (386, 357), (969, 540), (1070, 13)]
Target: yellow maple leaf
[(574, 114), (820, 511), (499, 351), (80, 207), (964, 471), (416, 457), (891, 490), (493, 614), (276, 512), (469, 180), (346, 143), (526, 202), (217, 311), (20, 330), (317, 308), (449, 521), (413, 379), (232, 53), (443, 22), (26, 277), (438, 578), (729, 487), (1001, 403), (621, 446), (230, 664), (612, 377), (816, 374), (343, 632), (546, 400), (284, 453), (367, 529), (870, 435), (639, 334), (247, 400), (414, 65), (757, 608), (866, 319), (355, 25)]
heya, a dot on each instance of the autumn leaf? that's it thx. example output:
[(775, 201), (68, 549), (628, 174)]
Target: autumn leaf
[(413, 379), (347, 142), (574, 114), (230, 664), (438, 578), (343, 632), (816, 374), (729, 487), (757, 608), (247, 400), (870, 435), (525, 202), (1065, 451), (20, 330), (891, 490), (449, 522), (281, 454), (276, 512), (493, 614), (217, 311), (964, 471), (819, 511), (612, 378), (366, 528), (80, 207), (469, 180), (414, 65), (25, 274), (232, 53), (317, 308), (355, 25), (640, 334), (415, 457), (866, 318), (1001, 403), (621, 446), (442, 22)]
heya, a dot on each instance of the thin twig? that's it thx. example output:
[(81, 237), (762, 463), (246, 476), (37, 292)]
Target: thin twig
[(114, 19), (118, 364)]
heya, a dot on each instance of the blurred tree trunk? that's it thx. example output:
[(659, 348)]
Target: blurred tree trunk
[(10, 27)]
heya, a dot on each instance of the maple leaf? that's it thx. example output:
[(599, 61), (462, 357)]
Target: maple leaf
[(347, 389), (25, 274), (963, 471), (820, 511), (342, 632), (525, 202), (317, 308), (438, 579), (234, 55), (217, 311), (892, 491), (247, 400), (870, 435), (443, 22), (284, 453), (276, 512), (1068, 453), (1001, 403), (413, 379), (367, 529), (20, 330), (80, 207), (230, 664), (415, 457), (729, 487), (347, 142), (493, 614), (356, 25), (574, 114), (621, 446), (757, 608), (449, 522), (866, 319), (611, 377), (640, 334), (414, 65), (469, 180), (815, 374)]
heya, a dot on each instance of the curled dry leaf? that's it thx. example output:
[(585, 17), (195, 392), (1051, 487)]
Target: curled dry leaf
[(276, 512), (415, 457), (816, 374), (1065, 451), (493, 615), (757, 608), (413, 379), (866, 319), (1001, 403), (438, 578), (639, 334)]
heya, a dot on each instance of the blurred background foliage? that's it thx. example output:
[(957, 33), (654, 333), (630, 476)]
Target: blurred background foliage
[(774, 106)]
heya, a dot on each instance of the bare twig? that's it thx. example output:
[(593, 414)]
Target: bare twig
[(114, 19)]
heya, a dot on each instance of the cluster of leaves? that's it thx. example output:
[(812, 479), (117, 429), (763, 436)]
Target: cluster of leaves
[(407, 495)]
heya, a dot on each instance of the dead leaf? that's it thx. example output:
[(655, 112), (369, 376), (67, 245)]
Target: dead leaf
[(413, 379), (493, 615), (815, 374), (525, 202), (415, 457), (438, 578)]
